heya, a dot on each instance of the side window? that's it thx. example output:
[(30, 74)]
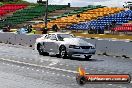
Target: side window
[(52, 37)]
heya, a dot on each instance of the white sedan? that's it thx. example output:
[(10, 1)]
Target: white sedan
[(64, 45)]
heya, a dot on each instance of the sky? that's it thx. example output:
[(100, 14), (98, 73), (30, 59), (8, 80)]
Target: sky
[(80, 3)]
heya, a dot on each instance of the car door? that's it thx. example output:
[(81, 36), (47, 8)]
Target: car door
[(51, 44)]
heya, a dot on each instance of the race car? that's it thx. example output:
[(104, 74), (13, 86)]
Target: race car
[(64, 45)]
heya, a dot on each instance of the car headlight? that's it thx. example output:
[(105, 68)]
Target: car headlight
[(92, 47), (74, 47)]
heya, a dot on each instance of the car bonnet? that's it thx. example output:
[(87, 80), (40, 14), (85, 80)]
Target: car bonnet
[(77, 41)]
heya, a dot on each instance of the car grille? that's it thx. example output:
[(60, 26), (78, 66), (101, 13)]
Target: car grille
[(85, 47)]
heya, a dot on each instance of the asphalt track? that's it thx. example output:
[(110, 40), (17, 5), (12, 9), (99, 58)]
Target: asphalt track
[(22, 67)]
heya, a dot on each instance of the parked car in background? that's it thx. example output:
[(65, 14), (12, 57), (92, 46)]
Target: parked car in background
[(64, 45)]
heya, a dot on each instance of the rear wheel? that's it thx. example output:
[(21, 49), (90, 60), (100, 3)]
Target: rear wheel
[(41, 50), (63, 52)]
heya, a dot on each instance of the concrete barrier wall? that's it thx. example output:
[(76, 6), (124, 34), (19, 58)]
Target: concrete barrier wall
[(109, 47), (112, 47), (18, 39), (26, 40)]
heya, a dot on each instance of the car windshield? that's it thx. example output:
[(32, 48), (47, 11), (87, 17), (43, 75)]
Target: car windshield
[(62, 36)]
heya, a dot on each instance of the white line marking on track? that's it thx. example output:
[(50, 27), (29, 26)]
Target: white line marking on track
[(53, 63), (35, 65), (131, 82)]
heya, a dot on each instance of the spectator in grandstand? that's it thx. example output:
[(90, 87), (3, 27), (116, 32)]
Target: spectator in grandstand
[(45, 30), (55, 28), (29, 28), (78, 15), (6, 28)]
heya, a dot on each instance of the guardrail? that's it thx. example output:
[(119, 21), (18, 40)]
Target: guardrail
[(107, 47)]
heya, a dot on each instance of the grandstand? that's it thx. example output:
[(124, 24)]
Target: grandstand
[(5, 9), (92, 17), (98, 18), (106, 21), (124, 28), (28, 14), (66, 19)]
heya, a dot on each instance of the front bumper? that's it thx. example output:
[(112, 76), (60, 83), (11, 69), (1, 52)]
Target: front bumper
[(81, 53)]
